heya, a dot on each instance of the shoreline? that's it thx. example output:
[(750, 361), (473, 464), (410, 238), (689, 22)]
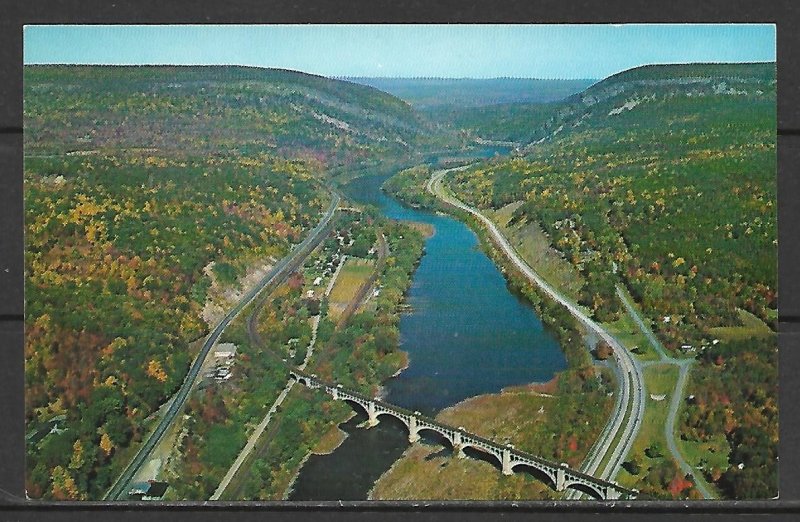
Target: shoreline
[(342, 437), (371, 492), (381, 391)]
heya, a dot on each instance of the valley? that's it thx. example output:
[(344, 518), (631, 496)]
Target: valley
[(595, 259)]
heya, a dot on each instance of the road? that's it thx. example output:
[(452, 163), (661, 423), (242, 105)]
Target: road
[(632, 388), (251, 441), (383, 252), (282, 268), (684, 366)]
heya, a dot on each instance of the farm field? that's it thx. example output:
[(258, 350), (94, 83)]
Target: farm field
[(354, 273)]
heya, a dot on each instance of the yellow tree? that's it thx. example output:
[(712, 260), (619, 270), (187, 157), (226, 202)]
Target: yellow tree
[(156, 371), (105, 444)]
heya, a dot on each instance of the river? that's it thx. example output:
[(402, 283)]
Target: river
[(467, 334)]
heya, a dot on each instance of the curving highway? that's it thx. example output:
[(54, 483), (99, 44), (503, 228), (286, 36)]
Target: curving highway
[(617, 438), (283, 267)]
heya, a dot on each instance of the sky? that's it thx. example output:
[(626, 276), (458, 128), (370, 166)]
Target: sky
[(444, 51)]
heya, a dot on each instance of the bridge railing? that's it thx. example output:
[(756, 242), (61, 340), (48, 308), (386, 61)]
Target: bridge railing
[(478, 438)]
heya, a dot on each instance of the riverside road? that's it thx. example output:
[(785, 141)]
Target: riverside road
[(632, 389)]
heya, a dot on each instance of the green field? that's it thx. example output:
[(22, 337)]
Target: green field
[(354, 273), (660, 379), (752, 326), (626, 331), (703, 456)]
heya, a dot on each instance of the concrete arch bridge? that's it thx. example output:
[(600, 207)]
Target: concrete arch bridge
[(558, 476)]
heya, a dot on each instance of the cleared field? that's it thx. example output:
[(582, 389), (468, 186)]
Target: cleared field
[(354, 273), (706, 455), (534, 246), (660, 379), (752, 326), (626, 331)]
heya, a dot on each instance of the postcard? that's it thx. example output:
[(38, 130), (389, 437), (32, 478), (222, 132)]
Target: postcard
[(400, 262)]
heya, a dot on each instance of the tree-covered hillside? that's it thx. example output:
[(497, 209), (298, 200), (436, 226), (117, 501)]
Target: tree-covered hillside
[(528, 123), (663, 179), (136, 179), (216, 109)]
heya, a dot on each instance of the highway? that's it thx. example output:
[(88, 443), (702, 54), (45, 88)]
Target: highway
[(119, 489), (631, 381)]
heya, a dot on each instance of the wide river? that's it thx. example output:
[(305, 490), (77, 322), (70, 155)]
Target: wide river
[(467, 335)]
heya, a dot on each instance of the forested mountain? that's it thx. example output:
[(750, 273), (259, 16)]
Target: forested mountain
[(654, 84), (136, 178), (663, 179), (220, 109), (660, 180)]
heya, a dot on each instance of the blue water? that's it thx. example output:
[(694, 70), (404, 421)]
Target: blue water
[(467, 335)]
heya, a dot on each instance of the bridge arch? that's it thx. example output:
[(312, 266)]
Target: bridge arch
[(388, 413), (494, 457), (305, 381), (438, 434), (362, 407), (536, 472), (585, 488)]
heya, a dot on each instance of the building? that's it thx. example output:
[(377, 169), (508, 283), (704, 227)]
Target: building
[(225, 351)]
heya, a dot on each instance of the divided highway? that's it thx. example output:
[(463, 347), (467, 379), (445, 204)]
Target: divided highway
[(289, 263), (629, 409)]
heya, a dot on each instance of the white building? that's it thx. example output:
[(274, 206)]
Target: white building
[(225, 351)]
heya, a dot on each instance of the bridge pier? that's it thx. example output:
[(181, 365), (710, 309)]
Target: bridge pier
[(335, 394), (413, 430), (506, 460), (373, 417), (611, 494), (458, 445), (561, 479)]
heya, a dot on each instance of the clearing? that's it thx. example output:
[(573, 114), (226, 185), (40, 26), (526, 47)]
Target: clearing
[(353, 275)]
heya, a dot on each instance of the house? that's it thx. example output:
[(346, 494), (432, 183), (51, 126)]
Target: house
[(149, 490), (225, 351), (317, 281), (688, 348), (310, 294)]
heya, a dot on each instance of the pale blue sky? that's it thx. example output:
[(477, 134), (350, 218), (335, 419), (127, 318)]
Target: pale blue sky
[(453, 51)]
